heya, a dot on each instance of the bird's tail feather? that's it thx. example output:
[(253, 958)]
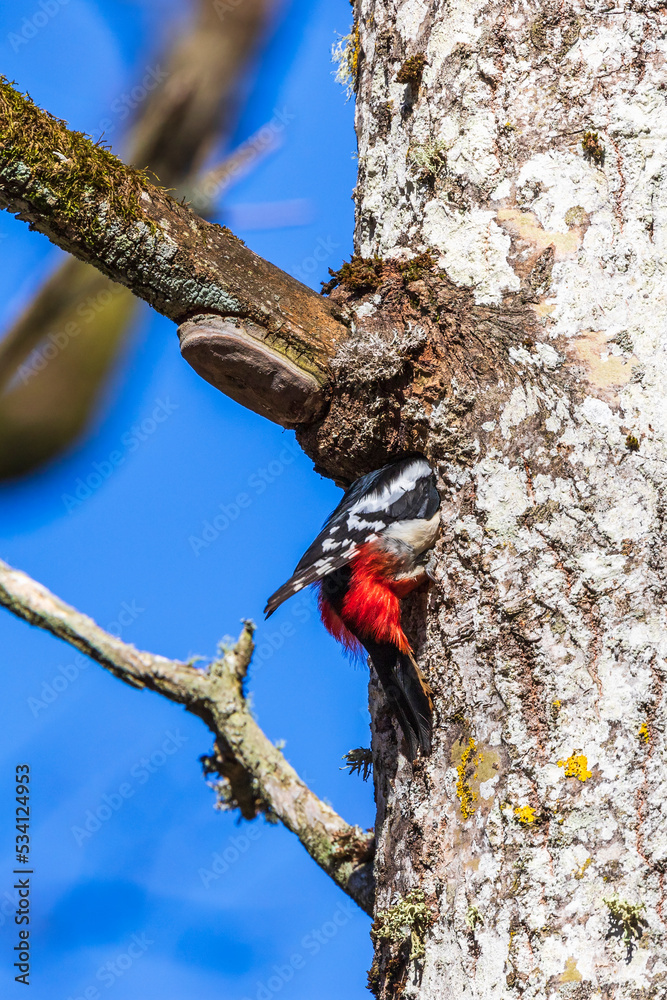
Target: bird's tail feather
[(408, 693)]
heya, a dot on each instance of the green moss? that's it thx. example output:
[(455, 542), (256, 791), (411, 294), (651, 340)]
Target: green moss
[(592, 147), (419, 266), (473, 917), (360, 274), (412, 70), (353, 846), (367, 274), (410, 917), (228, 231), (67, 172), (631, 443)]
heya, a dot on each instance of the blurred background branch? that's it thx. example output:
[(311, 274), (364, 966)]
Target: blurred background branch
[(57, 358)]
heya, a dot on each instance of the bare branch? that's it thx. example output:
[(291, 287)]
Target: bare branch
[(260, 778), (91, 204)]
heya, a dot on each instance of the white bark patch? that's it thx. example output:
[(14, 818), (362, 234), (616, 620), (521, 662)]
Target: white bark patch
[(459, 27), (487, 789), (550, 184), (410, 17), (470, 146), (474, 251), (501, 494), (522, 403)]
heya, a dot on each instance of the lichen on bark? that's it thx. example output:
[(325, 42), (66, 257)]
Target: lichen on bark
[(535, 386)]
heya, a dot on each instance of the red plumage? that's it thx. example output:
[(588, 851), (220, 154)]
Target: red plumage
[(369, 555), (371, 606), (336, 627)]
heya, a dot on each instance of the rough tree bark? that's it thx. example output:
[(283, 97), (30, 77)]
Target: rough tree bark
[(536, 831), (505, 314)]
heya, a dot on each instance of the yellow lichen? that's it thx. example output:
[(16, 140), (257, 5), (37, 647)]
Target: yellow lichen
[(571, 973), (644, 732), (525, 815), (576, 766), (466, 795), (346, 53), (580, 872)]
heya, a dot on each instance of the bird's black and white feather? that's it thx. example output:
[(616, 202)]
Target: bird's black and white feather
[(392, 503)]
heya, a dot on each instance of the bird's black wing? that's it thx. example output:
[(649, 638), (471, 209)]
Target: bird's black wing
[(396, 491)]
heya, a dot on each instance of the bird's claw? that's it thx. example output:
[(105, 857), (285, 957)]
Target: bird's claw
[(430, 566)]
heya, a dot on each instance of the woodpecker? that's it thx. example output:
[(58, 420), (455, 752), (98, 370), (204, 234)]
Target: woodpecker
[(370, 553)]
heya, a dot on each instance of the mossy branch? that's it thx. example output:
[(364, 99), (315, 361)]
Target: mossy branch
[(259, 777), (91, 204)]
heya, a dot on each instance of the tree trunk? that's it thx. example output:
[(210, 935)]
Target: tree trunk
[(525, 145), (504, 314)]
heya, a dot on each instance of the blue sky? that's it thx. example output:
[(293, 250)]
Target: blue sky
[(169, 897)]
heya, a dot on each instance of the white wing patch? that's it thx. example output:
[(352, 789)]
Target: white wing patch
[(379, 500), (356, 524), (364, 515)]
